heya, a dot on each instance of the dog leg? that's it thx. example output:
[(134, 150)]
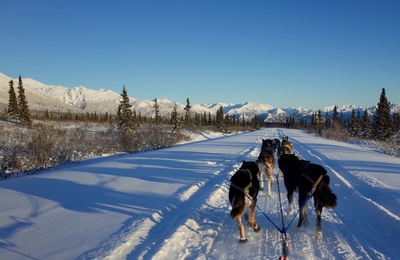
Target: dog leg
[(246, 216), (241, 230), (303, 218), (318, 232), (252, 219), (269, 183), (291, 206), (260, 177), (251, 224)]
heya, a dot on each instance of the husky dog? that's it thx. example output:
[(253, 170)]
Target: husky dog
[(267, 144), (266, 165), (303, 176), (287, 148), (244, 184)]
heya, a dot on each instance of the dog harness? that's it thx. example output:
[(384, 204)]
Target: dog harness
[(315, 183), (245, 190)]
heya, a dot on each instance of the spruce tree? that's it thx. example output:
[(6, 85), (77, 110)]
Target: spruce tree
[(24, 113), (157, 117), (175, 119), (187, 114), (255, 122), (13, 108), (335, 116), (366, 125), (396, 122), (219, 120), (319, 122), (355, 127), (125, 119), (383, 125)]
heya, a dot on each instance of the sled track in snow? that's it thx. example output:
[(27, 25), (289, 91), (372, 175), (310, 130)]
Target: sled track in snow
[(187, 214), (206, 231)]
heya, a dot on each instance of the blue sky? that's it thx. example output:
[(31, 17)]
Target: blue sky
[(283, 53)]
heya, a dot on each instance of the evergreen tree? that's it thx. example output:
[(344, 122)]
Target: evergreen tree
[(366, 125), (175, 119), (319, 122), (24, 113), (256, 122), (336, 124), (396, 122), (157, 117), (327, 120), (383, 125), (13, 108), (210, 120), (125, 119), (355, 126), (187, 113), (204, 118), (219, 120), (335, 116)]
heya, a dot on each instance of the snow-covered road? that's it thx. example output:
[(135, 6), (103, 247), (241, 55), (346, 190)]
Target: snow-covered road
[(173, 204)]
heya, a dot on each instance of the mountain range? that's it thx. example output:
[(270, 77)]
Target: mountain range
[(81, 99)]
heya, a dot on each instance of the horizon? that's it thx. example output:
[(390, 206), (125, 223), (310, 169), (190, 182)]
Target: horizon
[(283, 54), (226, 104)]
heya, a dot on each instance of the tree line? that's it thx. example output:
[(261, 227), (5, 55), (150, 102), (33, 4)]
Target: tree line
[(49, 140), (381, 125)]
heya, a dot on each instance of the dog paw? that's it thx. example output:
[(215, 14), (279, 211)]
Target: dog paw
[(318, 236), (305, 223), (269, 195), (290, 213), (261, 188), (242, 240), (250, 225), (256, 228)]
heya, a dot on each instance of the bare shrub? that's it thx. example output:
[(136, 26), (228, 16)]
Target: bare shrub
[(41, 144), (48, 144), (128, 142)]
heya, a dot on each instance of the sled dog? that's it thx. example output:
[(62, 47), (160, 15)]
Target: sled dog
[(302, 176), (266, 166), (244, 185)]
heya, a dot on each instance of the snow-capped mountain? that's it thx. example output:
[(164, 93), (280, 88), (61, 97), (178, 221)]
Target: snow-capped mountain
[(81, 99)]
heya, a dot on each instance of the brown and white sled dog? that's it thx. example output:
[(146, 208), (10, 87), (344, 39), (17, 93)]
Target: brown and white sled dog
[(287, 147), (244, 183), (302, 176), (266, 166)]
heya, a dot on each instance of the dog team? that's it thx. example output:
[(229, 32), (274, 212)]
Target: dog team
[(298, 175)]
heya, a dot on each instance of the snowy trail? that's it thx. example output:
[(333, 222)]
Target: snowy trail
[(173, 204), (345, 236)]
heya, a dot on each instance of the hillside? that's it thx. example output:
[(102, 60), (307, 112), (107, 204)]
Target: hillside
[(173, 204)]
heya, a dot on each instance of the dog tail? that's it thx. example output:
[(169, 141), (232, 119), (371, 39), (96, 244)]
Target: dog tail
[(238, 206), (328, 198)]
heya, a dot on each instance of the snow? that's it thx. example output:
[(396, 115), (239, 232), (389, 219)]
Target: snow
[(173, 204)]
